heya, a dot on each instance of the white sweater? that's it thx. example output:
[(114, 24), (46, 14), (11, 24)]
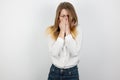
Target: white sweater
[(65, 52)]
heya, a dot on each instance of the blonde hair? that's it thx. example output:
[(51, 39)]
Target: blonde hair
[(73, 20)]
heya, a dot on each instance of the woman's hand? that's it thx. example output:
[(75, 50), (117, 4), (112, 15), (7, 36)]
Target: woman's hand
[(67, 27), (62, 29), (62, 25)]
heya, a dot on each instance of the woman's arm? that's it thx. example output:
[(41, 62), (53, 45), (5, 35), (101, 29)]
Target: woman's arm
[(56, 46), (73, 45)]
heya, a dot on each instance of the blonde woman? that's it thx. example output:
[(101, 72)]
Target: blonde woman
[(64, 44)]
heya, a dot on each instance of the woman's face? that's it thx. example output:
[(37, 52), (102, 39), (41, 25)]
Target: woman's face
[(63, 15)]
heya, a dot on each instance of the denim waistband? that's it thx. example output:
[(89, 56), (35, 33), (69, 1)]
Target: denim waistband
[(56, 68)]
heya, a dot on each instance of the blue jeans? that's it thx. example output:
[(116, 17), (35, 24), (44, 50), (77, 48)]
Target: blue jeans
[(63, 74)]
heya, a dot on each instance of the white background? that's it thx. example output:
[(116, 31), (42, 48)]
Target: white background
[(23, 44)]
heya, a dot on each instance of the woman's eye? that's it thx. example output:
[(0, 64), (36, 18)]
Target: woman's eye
[(64, 16)]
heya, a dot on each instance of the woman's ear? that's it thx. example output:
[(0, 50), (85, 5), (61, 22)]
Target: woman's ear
[(72, 24), (75, 23)]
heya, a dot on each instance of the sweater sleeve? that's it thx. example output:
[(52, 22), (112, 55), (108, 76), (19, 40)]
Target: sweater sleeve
[(74, 45), (55, 46)]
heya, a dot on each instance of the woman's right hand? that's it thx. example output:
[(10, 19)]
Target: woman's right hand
[(62, 29), (62, 25)]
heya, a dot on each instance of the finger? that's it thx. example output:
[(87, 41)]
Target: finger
[(66, 22), (61, 24)]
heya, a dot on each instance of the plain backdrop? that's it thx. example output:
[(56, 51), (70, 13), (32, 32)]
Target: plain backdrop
[(24, 46)]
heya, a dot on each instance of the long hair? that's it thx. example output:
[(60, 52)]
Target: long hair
[(54, 30)]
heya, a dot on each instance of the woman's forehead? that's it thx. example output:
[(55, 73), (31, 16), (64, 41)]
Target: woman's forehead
[(64, 11)]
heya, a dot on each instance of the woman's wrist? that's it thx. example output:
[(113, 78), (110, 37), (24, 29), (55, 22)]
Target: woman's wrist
[(62, 34), (67, 32)]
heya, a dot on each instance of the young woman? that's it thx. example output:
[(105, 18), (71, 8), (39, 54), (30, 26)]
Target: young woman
[(64, 44)]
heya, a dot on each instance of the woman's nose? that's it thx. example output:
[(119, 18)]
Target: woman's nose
[(66, 17)]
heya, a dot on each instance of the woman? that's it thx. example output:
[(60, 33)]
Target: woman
[(64, 44)]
